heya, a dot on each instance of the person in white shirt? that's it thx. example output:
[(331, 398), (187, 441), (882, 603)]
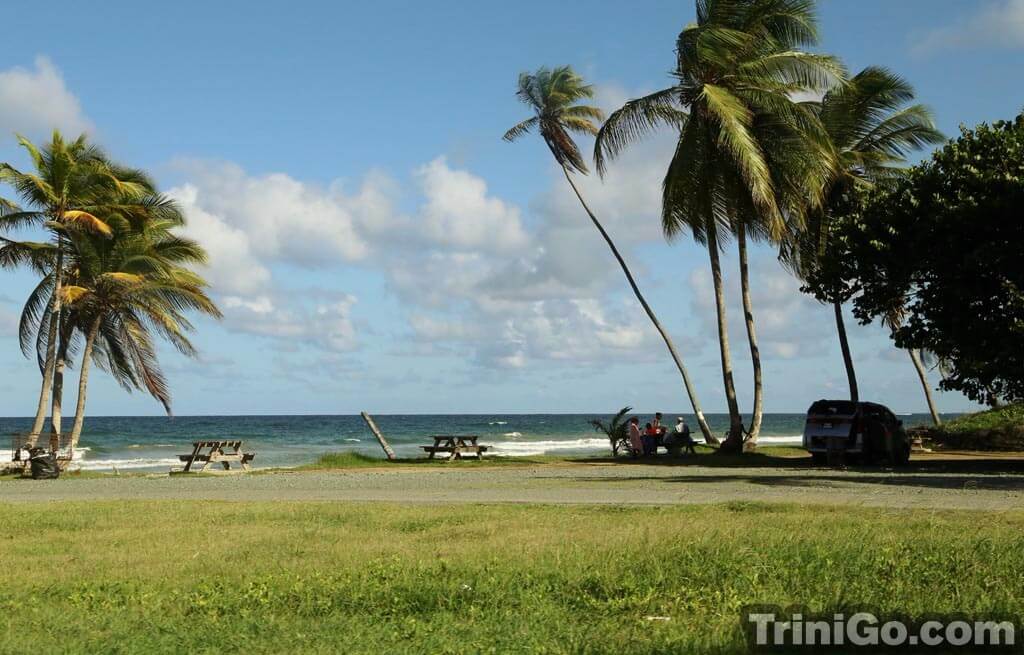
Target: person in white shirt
[(681, 435)]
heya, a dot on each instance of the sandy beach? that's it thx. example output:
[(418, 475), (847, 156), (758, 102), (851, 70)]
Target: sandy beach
[(598, 484)]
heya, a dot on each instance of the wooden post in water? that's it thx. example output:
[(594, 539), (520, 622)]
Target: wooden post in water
[(380, 437)]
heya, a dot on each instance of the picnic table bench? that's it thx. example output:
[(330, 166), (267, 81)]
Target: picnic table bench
[(222, 452), (455, 445)]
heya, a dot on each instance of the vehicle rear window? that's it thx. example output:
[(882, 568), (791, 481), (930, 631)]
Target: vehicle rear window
[(830, 407)]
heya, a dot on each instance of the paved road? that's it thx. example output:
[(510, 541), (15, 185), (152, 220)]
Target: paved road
[(588, 484)]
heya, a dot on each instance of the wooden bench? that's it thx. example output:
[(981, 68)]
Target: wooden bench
[(456, 446), (221, 452)]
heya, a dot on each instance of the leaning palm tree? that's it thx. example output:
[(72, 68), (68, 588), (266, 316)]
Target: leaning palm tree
[(923, 360), (871, 129), (553, 96), (72, 183), (127, 289), (892, 320), (746, 151)]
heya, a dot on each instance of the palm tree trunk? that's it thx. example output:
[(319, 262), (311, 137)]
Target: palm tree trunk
[(64, 334), (51, 347), (844, 345), (709, 437), (755, 351), (83, 383), (734, 441), (915, 357)]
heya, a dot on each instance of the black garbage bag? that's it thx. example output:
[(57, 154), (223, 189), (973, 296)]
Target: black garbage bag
[(44, 466)]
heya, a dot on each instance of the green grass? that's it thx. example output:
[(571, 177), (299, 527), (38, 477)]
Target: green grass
[(163, 577), (705, 457), (346, 460), (994, 429)]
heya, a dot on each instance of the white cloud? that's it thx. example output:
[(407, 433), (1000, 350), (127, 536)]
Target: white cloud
[(35, 100), (308, 318), (285, 219), (459, 212), (250, 224), (233, 267), (473, 277), (789, 324), (998, 24)]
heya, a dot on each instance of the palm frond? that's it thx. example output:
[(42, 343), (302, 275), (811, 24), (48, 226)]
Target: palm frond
[(735, 120), (633, 121)]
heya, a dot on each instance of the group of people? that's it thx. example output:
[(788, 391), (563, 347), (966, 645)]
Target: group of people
[(645, 441)]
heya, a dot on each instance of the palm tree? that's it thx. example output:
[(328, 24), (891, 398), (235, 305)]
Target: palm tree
[(71, 184), (737, 69), (617, 429), (552, 95), (892, 320), (871, 129), (125, 290), (917, 358)]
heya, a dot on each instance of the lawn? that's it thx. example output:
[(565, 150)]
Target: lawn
[(145, 577), (704, 456)]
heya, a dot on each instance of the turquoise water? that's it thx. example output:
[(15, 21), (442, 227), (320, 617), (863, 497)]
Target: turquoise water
[(153, 443)]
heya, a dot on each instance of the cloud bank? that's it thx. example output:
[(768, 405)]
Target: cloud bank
[(996, 24)]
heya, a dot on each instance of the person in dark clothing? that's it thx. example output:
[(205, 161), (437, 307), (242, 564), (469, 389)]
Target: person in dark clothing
[(681, 436)]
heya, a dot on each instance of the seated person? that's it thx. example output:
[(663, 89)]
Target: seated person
[(681, 435), (650, 440)]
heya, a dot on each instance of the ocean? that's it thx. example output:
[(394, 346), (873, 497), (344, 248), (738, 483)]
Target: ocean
[(151, 443)]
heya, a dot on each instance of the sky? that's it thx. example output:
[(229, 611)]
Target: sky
[(375, 245)]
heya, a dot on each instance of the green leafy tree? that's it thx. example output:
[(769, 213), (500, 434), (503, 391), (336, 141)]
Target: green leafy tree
[(872, 127), (748, 157), (942, 246), (553, 95)]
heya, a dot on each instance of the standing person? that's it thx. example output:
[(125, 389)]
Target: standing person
[(635, 438), (658, 427), (660, 432)]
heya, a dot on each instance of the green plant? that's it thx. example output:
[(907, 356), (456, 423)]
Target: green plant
[(617, 429)]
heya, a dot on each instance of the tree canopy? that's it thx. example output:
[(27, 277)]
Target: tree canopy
[(941, 249)]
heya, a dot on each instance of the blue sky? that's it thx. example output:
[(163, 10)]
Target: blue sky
[(374, 243)]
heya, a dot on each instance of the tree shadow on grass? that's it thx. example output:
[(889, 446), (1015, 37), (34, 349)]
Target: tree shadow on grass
[(936, 465), (931, 481)]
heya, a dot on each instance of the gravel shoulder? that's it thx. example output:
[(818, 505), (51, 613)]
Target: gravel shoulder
[(619, 484)]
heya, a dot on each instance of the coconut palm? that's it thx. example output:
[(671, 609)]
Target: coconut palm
[(127, 289), (553, 95), (737, 69), (72, 184), (872, 128)]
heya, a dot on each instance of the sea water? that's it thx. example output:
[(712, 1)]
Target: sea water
[(150, 443)]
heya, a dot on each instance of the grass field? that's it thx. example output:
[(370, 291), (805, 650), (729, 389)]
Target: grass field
[(704, 456), (144, 577)]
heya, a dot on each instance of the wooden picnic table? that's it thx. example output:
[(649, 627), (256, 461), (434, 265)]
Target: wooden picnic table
[(455, 445), (222, 452)]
